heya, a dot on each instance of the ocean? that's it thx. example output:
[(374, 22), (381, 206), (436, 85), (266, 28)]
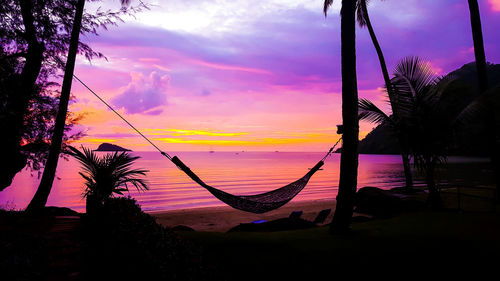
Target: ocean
[(241, 173)]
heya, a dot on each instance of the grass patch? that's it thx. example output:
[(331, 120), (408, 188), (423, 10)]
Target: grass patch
[(446, 242)]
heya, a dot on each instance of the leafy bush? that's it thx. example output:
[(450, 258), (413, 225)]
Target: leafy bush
[(126, 243)]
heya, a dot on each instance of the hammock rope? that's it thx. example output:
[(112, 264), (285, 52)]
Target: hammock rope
[(258, 203)]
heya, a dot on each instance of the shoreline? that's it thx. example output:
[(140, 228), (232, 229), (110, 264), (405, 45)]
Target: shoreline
[(221, 219)]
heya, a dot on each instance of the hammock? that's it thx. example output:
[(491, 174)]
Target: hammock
[(258, 203)]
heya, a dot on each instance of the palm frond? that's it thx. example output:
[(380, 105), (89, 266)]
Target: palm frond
[(415, 86), (418, 73), (327, 4), (108, 174), (361, 15), (370, 112)]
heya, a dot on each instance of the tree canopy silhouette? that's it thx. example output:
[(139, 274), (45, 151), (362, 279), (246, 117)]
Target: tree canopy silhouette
[(35, 40), (427, 115)]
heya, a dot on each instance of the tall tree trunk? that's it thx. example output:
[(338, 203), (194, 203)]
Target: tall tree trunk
[(482, 76), (349, 158), (390, 90), (407, 170), (12, 126), (380, 54), (434, 199), (477, 36), (43, 191)]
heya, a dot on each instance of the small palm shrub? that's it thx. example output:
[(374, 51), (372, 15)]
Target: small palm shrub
[(107, 175)]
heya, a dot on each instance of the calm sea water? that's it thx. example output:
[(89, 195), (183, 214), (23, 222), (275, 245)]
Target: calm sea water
[(237, 173)]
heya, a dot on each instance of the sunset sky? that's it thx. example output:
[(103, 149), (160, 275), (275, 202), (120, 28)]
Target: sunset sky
[(256, 75)]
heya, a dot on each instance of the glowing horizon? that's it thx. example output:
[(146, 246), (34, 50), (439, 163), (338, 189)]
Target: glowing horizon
[(255, 76)]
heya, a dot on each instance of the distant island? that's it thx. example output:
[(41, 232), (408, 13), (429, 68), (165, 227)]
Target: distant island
[(111, 147)]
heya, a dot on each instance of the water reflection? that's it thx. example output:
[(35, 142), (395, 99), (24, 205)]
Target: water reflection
[(243, 173)]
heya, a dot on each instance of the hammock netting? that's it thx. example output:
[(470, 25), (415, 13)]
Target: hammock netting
[(258, 203)]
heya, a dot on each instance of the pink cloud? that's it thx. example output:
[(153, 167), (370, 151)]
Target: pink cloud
[(229, 67), (144, 94), (495, 5)]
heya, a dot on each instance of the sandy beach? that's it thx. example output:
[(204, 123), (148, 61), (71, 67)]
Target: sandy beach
[(221, 219)]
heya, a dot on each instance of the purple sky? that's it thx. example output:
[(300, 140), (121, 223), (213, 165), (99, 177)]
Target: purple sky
[(257, 75)]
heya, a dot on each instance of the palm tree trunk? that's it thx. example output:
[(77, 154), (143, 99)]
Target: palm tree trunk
[(496, 154), (390, 90), (349, 157), (12, 127), (482, 75), (43, 191), (407, 170), (380, 54), (434, 199), (477, 36)]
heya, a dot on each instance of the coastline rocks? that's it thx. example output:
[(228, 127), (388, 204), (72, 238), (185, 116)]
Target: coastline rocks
[(110, 147), (386, 203)]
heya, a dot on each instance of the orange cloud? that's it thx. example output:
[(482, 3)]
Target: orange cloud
[(203, 142), (97, 140), (93, 115), (177, 132)]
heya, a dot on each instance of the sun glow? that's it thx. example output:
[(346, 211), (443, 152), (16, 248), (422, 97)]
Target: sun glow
[(177, 132)]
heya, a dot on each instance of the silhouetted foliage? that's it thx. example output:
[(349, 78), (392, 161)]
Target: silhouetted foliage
[(491, 118), (469, 137), (108, 175), (430, 116), (124, 243), (53, 21), (38, 121), (431, 112), (34, 36), (56, 141)]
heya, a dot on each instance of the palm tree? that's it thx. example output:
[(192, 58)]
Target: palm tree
[(43, 191), (349, 157), (364, 20), (482, 75), (425, 116), (477, 36), (107, 175)]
